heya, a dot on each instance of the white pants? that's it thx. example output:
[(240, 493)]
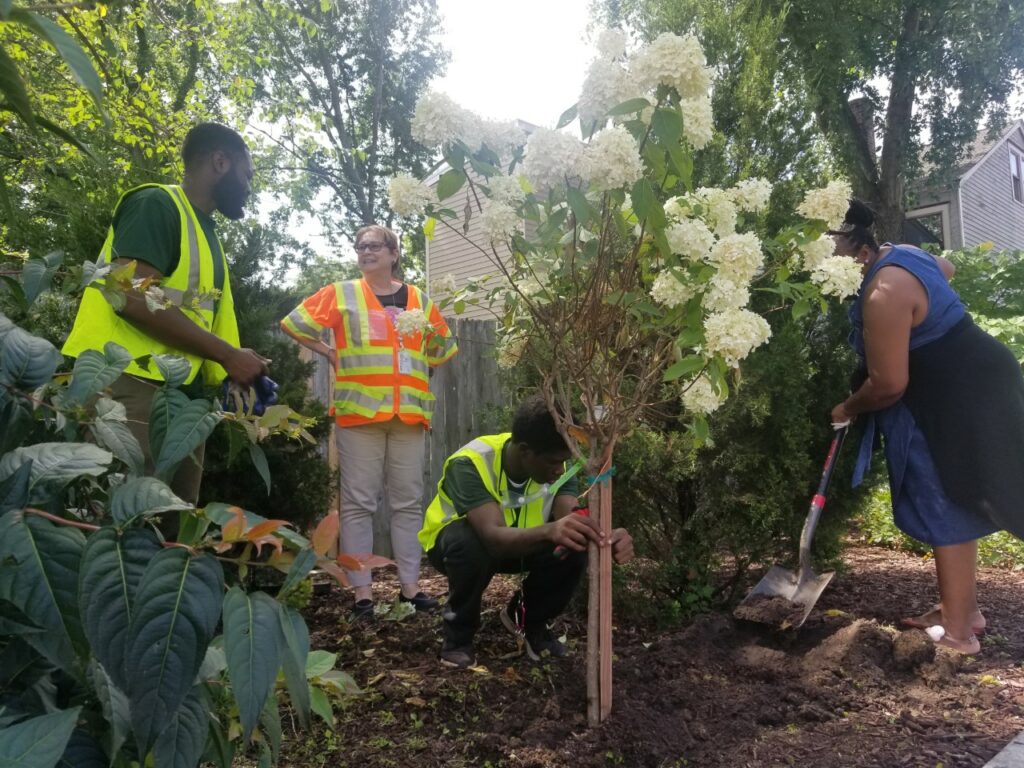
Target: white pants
[(383, 457)]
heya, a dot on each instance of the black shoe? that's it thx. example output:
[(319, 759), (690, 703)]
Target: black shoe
[(362, 610), (421, 601), (458, 656), (541, 640)]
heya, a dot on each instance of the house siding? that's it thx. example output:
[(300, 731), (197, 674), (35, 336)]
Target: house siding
[(989, 211)]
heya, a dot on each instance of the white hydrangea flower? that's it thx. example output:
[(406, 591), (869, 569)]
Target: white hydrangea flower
[(838, 276), (506, 189), (551, 158), (408, 196), (670, 291), (412, 321), (738, 256), (674, 61), (719, 211), (612, 159), (752, 195), (606, 85), (499, 220), (503, 137), (725, 293), (698, 121), (678, 209), (690, 238), (611, 44), (700, 396), (509, 350), (828, 204), (816, 251), (443, 286), (439, 120), (734, 333)]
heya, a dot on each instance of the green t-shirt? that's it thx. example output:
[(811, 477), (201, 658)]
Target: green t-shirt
[(147, 227), (467, 491)]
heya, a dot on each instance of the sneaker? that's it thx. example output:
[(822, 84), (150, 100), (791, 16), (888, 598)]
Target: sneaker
[(362, 610), (510, 624), (457, 656), (421, 601), (541, 640)]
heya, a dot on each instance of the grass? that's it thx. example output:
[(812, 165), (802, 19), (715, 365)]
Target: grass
[(874, 519)]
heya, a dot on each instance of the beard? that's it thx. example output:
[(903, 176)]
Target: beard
[(229, 195)]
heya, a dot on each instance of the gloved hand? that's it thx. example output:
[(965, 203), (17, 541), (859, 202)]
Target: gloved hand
[(263, 394)]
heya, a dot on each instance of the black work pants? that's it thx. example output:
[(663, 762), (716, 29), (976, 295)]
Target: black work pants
[(460, 555)]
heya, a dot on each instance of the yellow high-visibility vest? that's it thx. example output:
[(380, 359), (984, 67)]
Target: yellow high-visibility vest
[(97, 323)]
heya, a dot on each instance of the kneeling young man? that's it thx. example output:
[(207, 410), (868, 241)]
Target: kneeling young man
[(505, 505)]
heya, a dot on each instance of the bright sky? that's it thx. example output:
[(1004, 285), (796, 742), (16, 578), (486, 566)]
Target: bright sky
[(522, 60)]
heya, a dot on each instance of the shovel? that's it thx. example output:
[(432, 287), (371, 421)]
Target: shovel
[(784, 598)]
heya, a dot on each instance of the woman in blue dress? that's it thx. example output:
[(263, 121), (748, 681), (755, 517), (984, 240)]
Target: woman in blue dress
[(948, 400)]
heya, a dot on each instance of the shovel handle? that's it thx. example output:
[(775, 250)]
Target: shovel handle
[(818, 502)]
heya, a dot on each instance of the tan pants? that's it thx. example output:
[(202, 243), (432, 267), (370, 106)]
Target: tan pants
[(384, 457), (136, 395)]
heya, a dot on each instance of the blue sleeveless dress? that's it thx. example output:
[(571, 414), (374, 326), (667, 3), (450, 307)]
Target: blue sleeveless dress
[(921, 508)]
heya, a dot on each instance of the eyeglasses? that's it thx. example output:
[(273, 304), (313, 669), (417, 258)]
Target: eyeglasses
[(371, 247)]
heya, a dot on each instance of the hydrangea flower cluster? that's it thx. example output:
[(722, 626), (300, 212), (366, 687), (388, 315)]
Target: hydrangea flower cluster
[(669, 290), (552, 157), (612, 160), (700, 396), (408, 196), (838, 276), (412, 321), (499, 221), (828, 204), (734, 333)]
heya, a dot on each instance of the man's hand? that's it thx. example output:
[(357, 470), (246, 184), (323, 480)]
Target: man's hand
[(575, 532), (244, 366), (622, 546), (840, 415)]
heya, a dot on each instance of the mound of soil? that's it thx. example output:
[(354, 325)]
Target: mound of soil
[(771, 610), (847, 689)]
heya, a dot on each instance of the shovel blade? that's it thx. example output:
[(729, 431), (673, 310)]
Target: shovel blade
[(782, 598)]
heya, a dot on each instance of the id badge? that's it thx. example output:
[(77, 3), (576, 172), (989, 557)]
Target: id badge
[(404, 362)]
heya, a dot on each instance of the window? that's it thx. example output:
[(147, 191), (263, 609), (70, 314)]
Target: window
[(1017, 175)]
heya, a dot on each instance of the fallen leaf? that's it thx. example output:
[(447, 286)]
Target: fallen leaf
[(416, 701), (834, 613), (369, 652), (376, 679)]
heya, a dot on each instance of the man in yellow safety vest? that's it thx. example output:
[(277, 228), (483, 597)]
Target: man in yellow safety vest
[(505, 504), (169, 231)]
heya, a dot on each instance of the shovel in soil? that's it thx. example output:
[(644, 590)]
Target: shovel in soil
[(783, 598)]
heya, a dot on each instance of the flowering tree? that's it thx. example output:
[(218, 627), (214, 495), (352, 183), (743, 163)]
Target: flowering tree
[(624, 286)]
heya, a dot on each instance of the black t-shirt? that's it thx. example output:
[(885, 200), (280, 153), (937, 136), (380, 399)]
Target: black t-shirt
[(399, 298)]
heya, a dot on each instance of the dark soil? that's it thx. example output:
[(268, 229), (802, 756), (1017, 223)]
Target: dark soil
[(775, 611), (847, 689)]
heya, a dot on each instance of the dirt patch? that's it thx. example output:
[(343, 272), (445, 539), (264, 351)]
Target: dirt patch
[(847, 689), (772, 610)]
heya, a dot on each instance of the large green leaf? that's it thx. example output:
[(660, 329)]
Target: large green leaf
[(54, 465), (251, 642), (39, 742), (13, 89), (14, 489), (194, 423), (219, 750), (451, 181), (112, 567), (16, 423), (682, 367), (667, 125), (6, 326), (295, 651), (83, 751), (174, 368), (259, 460), (39, 563), (115, 706), (303, 564), (167, 404), (27, 361), (181, 744), (94, 371), (270, 722), (143, 496), (110, 428), (13, 620), (36, 276), (176, 609), (79, 64)]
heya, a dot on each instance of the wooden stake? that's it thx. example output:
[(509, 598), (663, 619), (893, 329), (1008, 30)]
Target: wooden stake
[(593, 630), (599, 611), (605, 641)]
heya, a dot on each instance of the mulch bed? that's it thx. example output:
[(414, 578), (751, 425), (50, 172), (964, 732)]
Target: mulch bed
[(847, 689)]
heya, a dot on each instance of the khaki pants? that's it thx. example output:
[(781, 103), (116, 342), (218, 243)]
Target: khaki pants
[(136, 395), (383, 457)]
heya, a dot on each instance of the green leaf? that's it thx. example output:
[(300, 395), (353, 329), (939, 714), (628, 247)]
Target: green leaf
[(94, 371), (16, 424), (270, 720), (646, 205), (14, 490), (451, 181), (13, 89), (181, 744), (83, 751), (321, 705), (143, 496), (112, 567), (36, 276), (628, 107), (110, 428), (39, 564), (484, 169), (251, 633), (114, 703), (683, 367), (13, 620), (54, 465), (581, 208), (667, 125), (567, 117), (190, 428), (218, 749), (259, 460), (174, 369), (79, 64), (699, 427), (304, 562), (27, 361), (67, 136), (428, 227), (176, 609), (222, 514), (5, 8), (800, 308), (39, 742), (294, 654), (320, 663)]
